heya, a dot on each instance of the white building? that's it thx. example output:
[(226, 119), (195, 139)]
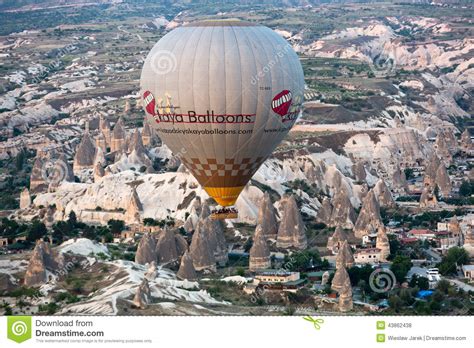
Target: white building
[(369, 255)]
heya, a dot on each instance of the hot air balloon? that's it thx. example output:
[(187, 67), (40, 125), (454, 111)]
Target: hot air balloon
[(222, 94)]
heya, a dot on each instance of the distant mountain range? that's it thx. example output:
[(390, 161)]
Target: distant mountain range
[(6, 5), (41, 4)]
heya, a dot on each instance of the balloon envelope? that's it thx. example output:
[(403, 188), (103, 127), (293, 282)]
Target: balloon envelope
[(222, 95)]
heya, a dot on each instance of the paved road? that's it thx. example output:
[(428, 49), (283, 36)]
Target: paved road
[(460, 284), (433, 255)]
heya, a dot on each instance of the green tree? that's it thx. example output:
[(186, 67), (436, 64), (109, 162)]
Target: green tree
[(409, 173), (89, 232), (36, 231), (400, 267), (436, 192), (72, 219), (150, 222), (455, 257), (465, 189), (20, 160), (421, 283), (10, 228), (116, 226), (61, 229), (108, 237), (361, 275), (395, 245), (443, 286), (58, 235), (299, 261), (406, 296), (395, 303)]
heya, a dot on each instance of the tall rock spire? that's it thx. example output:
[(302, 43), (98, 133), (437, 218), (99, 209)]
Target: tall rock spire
[(443, 181), (214, 232), (166, 249), (325, 212), (104, 128), (369, 218), (345, 303), (37, 177), (335, 241), (382, 243), (146, 251), (25, 199), (344, 257), (136, 144), (134, 208), (383, 194), (146, 134), (42, 260), (343, 212), (341, 279), (118, 138), (267, 218), (98, 172), (193, 218), (85, 154), (399, 180), (442, 148), (186, 268), (142, 296), (358, 169), (291, 232), (201, 252), (259, 253), (431, 166)]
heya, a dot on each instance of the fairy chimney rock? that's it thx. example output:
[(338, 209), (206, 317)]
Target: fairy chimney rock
[(146, 251), (369, 218), (186, 268), (291, 233), (259, 253), (267, 217)]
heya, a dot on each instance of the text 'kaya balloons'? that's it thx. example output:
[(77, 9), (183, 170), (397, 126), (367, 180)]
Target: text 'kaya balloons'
[(222, 95)]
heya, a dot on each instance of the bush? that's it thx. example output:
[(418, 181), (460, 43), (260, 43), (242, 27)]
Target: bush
[(50, 308), (116, 226), (455, 257), (36, 231), (240, 271), (400, 267)]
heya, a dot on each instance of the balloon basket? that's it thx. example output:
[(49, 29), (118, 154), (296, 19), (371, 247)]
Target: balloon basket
[(224, 213)]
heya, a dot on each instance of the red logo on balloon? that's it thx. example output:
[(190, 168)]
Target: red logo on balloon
[(149, 101), (281, 102)]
